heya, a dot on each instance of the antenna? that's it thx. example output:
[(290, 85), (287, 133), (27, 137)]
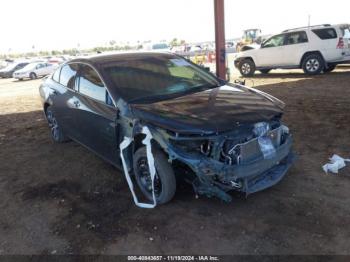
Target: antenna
[(309, 21)]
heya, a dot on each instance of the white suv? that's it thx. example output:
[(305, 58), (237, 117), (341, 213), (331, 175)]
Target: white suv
[(315, 49)]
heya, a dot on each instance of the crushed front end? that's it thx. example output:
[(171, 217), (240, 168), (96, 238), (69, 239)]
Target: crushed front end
[(250, 158)]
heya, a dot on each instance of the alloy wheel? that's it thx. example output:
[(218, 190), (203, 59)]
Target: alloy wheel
[(312, 65), (145, 177), (246, 68), (53, 125)]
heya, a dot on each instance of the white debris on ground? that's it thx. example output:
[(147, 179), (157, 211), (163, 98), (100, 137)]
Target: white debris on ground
[(336, 163)]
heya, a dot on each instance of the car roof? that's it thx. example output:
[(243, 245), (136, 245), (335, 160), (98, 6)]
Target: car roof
[(101, 59), (314, 27)]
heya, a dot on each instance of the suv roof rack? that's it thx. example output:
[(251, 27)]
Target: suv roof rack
[(305, 27)]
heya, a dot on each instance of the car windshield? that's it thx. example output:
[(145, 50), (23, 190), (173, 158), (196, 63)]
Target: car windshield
[(150, 78)]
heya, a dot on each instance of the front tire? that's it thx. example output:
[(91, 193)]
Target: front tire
[(313, 64), (56, 132), (246, 67), (164, 181), (33, 76)]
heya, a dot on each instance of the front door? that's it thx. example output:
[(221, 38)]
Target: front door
[(270, 52)]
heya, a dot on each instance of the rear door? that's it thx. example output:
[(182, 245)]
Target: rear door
[(64, 96), (40, 69), (296, 45), (96, 115)]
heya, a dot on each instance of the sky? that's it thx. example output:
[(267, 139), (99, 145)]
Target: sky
[(59, 24)]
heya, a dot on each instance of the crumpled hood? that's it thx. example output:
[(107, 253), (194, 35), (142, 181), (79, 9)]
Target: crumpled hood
[(215, 110)]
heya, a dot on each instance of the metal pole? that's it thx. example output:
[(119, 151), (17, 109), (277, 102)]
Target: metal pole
[(219, 14)]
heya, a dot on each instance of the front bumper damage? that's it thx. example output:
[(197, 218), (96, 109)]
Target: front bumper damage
[(215, 178)]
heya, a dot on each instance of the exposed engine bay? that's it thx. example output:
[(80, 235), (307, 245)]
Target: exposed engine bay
[(250, 158)]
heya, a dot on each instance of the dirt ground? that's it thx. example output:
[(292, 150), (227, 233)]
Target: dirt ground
[(62, 199)]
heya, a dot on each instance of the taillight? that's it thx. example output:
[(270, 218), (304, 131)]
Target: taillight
[(340, 44)]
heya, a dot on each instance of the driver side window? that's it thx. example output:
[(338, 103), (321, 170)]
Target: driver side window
[(91, 85), (274, 41)]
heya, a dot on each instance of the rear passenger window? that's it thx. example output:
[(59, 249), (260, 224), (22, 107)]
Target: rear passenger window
[(296, 38), (325, 33), (56, 75), (68, 73), (90, 84)]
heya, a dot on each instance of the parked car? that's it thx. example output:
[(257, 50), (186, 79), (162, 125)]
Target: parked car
[(315, 49), (3, 64), (35, 70), (221, 136), (159, 47), (8, 71)]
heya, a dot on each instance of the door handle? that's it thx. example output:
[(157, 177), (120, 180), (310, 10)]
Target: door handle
[(76, 103), (53, 92)]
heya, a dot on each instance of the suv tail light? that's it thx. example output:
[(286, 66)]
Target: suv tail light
[(340, 44)]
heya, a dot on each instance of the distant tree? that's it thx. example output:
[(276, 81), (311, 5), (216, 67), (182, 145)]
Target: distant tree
[(55, 52)]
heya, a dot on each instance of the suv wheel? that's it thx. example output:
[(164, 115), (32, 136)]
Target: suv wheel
[(247, 67), (164, 181), (56, 132), (313, 64), (32, 76)]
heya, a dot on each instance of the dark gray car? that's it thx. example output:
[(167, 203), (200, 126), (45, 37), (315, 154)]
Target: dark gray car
[(215, 135)]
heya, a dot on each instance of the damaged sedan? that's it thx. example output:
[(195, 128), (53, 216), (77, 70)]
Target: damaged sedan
[(158, 111)]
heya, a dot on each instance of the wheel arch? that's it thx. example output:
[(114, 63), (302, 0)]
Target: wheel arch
[(310, 53), (137, 143), (46, 105), (247, 58)]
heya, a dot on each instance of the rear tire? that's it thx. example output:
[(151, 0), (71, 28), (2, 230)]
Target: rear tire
[(246, 67), (56, 132), (165, 181), (32, 76), (313, 64), (329, 68)]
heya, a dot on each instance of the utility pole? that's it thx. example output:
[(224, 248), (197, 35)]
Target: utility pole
[(219, 14)]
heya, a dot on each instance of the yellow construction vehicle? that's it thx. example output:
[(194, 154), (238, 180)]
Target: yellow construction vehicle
[(250, 36)]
